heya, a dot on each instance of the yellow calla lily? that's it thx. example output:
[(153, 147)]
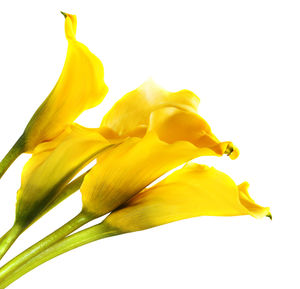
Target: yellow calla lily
[(80, 87), (195, 190), (49, 170), (173, 137), (130, 115), (164, 132)]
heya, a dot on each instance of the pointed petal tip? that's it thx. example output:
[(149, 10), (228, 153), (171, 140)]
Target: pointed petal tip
[(63, 13), (269, 215), (70, 25)]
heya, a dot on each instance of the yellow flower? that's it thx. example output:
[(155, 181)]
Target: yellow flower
[(195, 190), (130, 115), (51, 167), (173, 137), (80, 87)]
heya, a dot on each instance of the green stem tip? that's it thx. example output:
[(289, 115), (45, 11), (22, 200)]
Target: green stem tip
[(11, 156)]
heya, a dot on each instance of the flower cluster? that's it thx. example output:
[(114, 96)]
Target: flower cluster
[(147, 133)]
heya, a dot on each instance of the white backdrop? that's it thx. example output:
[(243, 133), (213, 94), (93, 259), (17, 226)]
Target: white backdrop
[(242, 59)]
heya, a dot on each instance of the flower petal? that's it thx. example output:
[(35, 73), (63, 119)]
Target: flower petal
[(172, 124), (130, 115), (80, 87), (192, 191), (137, 162), (249, 204), (51, 168)]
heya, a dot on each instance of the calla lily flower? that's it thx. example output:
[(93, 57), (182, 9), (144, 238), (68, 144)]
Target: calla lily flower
[(49, 170), (80, 87), (131, 114), (173, 137), (163, 131), (195, 190)]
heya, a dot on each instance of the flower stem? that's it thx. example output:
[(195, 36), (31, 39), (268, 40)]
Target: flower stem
[(11, 156), (81, 238), (9, 238), (78, 221)]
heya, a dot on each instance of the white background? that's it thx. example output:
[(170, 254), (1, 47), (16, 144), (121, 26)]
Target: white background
[(242, 59)]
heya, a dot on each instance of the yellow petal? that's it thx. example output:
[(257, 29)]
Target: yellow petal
[(52, 166), (134, 164), (249, 204), (193, 191), (70, 26), (130, 115), (80, 87), (42, 151), (172, 124)]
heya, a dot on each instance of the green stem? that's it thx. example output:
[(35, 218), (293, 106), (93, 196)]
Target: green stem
[(15, 151), (81, 238), (9, 238), (78, 221)]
